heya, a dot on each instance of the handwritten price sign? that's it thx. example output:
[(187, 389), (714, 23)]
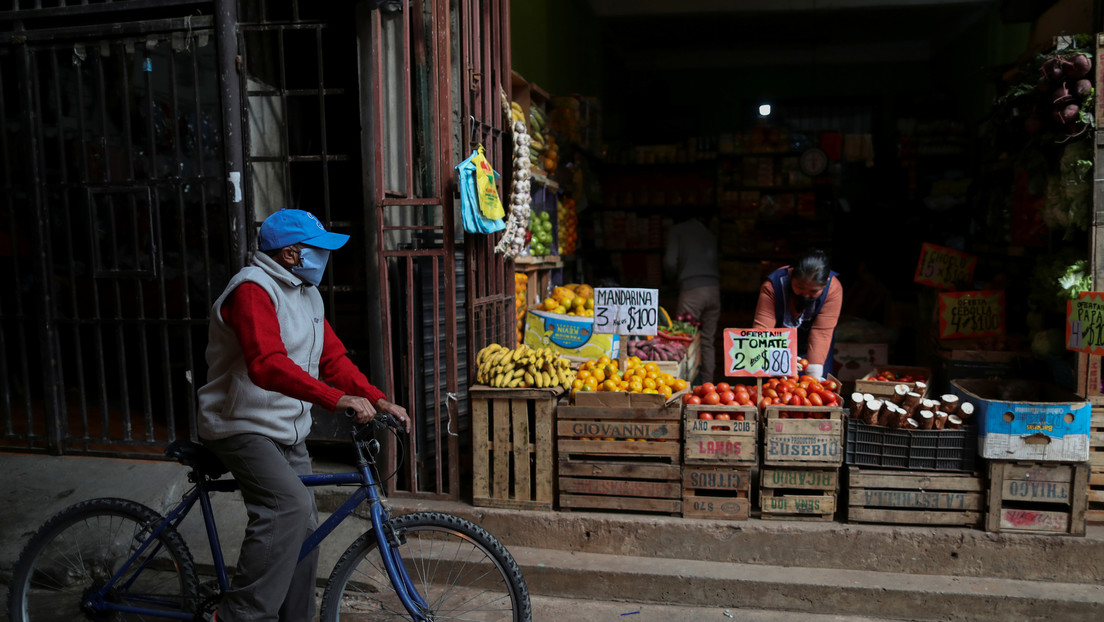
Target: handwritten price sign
[(760, 352), (626, 311), (1085, 323), (971, 314), (944, 268)]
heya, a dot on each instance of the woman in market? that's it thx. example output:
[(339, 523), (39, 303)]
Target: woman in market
[(806, 296)]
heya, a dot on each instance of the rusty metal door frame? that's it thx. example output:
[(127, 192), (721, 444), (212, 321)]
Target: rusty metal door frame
[(485, 44)]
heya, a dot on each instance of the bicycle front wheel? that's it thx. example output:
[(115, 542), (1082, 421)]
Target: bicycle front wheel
[(76, 553), (460, 570)]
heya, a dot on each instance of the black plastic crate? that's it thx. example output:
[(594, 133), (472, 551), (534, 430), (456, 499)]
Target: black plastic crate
[(927, 450)]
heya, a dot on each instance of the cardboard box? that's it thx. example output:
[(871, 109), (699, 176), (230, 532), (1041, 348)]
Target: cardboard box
[(852, 361), (1027, 420), (570, 335)]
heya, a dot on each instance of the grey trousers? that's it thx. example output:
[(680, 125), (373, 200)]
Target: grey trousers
[(704, 303), (269, 583)]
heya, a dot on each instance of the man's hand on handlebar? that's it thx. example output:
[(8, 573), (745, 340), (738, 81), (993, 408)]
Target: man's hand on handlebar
[(362, 411)]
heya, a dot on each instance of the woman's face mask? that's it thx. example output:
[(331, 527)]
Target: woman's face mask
[(312, 264), (806, 292)]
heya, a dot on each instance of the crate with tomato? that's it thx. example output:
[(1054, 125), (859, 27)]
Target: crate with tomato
[(802, 422), (720, 424), (880, 381)]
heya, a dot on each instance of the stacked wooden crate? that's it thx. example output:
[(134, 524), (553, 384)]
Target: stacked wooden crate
[(1095, 512), (620, 451), (719, 454), (802, 455)]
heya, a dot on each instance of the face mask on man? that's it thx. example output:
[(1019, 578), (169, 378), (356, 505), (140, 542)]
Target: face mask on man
[(312, 264)]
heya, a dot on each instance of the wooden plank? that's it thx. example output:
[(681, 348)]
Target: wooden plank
[(636, 470), (914, 481), (621, 488), (732, 449), (695, 505), (667, 413), (666, 506), (545, 414), (481, 446), (715, 478), (511, 504), (500, 419), (913, 517), (627, 449), (523, 448), (620, 429), (799, 479), (1033, 521), (914, 499), (823, 504), (1028, 498)]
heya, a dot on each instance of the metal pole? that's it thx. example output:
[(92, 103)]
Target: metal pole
[(229, 63)]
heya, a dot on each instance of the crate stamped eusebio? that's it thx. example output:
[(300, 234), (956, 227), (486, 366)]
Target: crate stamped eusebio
[(721, 492), (815, 440), (721, 441), (914, 498), (798, 493), (620, 455), (1037, 497)]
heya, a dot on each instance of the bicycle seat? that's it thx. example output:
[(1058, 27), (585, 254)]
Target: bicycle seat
[(196, 456)]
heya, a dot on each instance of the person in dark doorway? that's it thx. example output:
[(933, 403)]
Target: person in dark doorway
[(691, 259), (806, 296), (271, 355)]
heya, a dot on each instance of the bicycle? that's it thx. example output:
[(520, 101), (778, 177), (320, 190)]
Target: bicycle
[(113, 558)]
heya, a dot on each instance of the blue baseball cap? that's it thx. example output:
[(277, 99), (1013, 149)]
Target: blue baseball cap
[(295, 226)]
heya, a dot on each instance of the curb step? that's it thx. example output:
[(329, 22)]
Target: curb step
[(889, 595)]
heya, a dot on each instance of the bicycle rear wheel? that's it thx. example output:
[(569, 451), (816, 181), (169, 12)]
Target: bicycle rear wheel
[(459, 569), (77, 551)]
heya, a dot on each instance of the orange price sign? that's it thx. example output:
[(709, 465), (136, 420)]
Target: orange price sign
[(944, 268), (1085, 323), (971, 314), (760, 351)]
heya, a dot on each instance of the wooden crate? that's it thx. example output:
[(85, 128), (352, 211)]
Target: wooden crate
[(811, 442), (914, 497), (798, 493), (1037, 497), (512, 444), (620, 458), (715, 441), (721, 492), (1096, 438), (880, 389), (1094, 513)]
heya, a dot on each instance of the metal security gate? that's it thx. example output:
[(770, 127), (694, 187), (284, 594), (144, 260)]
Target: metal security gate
[(112, 231)]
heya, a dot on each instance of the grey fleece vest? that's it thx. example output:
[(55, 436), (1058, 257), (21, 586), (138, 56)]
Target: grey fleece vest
[(230, 403)]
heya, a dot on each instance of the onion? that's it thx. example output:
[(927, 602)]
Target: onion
[(1077, 66)]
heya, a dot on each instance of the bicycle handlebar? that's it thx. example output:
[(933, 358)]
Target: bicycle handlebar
[(380, 421)]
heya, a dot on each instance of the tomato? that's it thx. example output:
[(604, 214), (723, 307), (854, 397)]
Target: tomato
[(801, 391), (722, 387), (815, 399), (693, 399), (722, 416), (795, 400), (766, 401), (744, 399), (830, 385), (771, 393), (738, 417), (711, 398), (727, 397), (705, 415), (686, 398), (708, 387)]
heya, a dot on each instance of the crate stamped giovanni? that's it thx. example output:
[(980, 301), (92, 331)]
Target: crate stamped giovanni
[(620, 451)]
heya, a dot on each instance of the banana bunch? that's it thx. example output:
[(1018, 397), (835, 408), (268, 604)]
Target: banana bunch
[(516, 112), (522, 367)]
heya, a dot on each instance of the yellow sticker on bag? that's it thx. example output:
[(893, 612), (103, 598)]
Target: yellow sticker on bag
[(489, 202)]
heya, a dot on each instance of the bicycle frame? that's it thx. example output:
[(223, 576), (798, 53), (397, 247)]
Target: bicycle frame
[(367, 490)]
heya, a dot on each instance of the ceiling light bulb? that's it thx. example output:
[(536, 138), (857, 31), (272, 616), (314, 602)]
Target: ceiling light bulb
[(764, 110)]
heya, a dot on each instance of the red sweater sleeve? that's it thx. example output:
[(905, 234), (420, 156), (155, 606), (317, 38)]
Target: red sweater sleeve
[(764, 307), (252, 316), (337, 369)]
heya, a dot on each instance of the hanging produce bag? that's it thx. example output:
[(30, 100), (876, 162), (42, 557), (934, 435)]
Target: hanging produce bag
[(486, 186), (473, 217)]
